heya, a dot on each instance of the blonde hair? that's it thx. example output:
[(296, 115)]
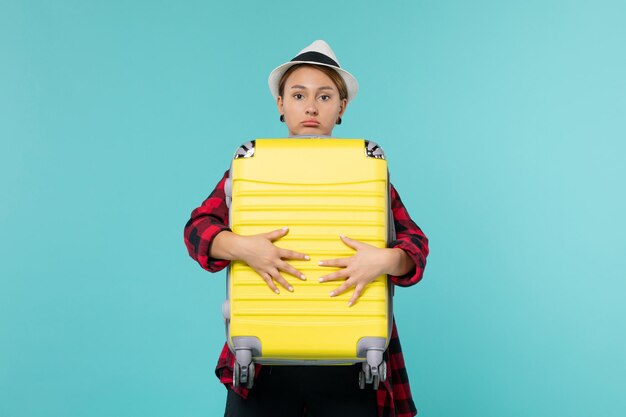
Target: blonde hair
[(332, 74)]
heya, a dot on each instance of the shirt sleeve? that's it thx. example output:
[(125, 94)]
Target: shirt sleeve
[(411, 239), (205, 223)]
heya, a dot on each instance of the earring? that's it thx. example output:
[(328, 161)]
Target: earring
[(339, 120), (282, 118)]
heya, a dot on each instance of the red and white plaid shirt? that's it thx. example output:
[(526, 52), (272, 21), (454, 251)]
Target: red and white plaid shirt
[(394, 394)]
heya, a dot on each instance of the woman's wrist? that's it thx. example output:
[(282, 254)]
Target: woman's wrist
[(225, 245), (400, 263)]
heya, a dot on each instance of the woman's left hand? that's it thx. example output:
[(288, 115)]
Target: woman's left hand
[(367, 264)]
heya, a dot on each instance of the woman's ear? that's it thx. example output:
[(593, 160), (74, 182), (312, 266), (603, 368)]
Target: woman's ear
[(279, 104), (342, 106)]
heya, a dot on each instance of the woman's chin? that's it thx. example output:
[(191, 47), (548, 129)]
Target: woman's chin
[(306, 131)]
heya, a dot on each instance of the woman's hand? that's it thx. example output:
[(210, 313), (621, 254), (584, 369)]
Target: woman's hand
[(268, 260), (368, 263)]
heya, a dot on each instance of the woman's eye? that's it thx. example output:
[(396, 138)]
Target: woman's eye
[(324, 97), (298, 96)]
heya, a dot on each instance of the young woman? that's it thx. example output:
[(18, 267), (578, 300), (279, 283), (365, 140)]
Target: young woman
[(312, 92)]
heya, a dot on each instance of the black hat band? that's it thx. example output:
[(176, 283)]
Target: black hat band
[(313, 56)]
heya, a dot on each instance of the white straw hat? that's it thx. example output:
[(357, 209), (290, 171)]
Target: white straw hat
[(317, 53)]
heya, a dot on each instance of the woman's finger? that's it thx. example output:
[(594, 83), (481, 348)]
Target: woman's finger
[(341, 289), (284, 266), (277, 234), (270, 283), (276, 276), (358, 290), (290, 254), (338, 262), (334, 276), (354, 244)]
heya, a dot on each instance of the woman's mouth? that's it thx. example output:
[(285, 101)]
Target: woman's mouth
[(311, 123)]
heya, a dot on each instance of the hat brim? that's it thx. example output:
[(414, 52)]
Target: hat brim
[(274, 79)]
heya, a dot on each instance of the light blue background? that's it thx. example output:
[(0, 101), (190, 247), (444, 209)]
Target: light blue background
[(503, 123)]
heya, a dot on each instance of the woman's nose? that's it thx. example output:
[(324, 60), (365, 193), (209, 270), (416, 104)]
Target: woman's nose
[(311, 108)]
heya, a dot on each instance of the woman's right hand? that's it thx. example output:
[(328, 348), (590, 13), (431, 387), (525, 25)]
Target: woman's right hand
[(268, 260)]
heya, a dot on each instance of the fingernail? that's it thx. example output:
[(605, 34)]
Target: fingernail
[(290, 289), (349, 303), (285, 228), (320, 263), (332, 293), (307, 257), (277, 292), (342, 235), (321, 279), (302, 276)]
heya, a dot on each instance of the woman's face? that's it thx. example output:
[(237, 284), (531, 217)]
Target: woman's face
[(310, 103)]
